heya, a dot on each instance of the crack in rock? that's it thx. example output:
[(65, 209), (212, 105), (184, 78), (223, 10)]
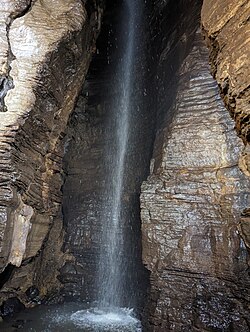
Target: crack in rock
[(10, 11)]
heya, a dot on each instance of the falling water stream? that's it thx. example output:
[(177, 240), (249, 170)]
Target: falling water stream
[(112, 268), (111, 265), (108, 312)]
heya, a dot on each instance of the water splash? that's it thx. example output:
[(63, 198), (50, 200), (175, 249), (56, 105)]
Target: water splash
[(69, 317), (109, 315), (105, 320)]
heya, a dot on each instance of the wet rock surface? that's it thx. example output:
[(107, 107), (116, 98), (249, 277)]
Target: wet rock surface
[(11, 306), (194, 205), (190, 209), (227, 30), (226, 26), (45, 53)]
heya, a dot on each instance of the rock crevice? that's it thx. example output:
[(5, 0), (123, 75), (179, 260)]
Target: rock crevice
[(10, 11)]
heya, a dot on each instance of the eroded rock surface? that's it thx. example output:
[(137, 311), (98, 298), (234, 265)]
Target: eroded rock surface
[(226, 26), (190, 208), (45, 53), (9, 11)]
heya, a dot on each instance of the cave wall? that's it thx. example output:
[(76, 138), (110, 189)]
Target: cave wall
[(227, 30), (191, 204), (45, 54)]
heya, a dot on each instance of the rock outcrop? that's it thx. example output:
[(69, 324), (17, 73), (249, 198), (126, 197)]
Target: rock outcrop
[(226, 27), (45, 52), (190, 209)]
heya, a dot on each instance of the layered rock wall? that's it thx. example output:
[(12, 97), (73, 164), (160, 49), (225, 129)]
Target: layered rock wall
[(45, 54), (226, 27), (227, 30), (191, 206), (191, 203)]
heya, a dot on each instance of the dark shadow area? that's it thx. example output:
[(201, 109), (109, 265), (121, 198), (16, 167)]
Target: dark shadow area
[(85, 167), (6, 274)]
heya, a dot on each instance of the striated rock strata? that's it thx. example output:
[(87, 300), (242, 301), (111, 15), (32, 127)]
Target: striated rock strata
[(190, 209), (226, 27), (46, 48)]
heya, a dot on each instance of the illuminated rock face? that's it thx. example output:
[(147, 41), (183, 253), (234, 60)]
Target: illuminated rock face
[(45, 52), (226, 28), (192, 202)]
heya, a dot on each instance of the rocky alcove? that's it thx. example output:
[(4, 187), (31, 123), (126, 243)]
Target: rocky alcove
[(187, 198)]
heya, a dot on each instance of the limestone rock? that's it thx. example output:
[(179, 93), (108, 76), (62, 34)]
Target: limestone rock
[(227, 30), (46, 50), (226, 27), (9, 11), (190, 210)]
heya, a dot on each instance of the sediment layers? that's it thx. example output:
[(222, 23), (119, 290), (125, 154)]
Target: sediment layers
[(45, 54), (190, 208)]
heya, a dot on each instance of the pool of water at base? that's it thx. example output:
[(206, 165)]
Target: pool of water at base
[(71, 317)]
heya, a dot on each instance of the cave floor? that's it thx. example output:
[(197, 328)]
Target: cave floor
[(71, 317)]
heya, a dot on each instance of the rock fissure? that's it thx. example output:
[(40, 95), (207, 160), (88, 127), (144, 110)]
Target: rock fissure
[(6, 80), (13, 11)]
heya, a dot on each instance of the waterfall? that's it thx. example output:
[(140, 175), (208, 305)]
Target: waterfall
[(114, 267), (112, 264)]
